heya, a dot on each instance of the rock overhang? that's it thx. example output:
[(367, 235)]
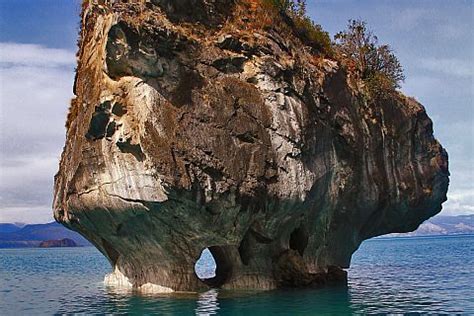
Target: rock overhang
[(279, 166)]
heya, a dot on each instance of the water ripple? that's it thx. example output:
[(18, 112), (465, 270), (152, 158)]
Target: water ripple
[(391, 276)]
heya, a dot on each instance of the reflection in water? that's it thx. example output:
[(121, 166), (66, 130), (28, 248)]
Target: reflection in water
[(207, 303), (431, 275)]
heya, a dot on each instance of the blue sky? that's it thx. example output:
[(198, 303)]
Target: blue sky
[(433, 39)]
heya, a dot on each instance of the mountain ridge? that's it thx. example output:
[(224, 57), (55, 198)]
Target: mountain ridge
[(31, 235), (442, 225)]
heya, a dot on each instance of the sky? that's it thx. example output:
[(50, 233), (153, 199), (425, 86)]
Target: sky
[(433, 39)]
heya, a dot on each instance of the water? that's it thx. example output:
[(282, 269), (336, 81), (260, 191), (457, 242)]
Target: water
[(408, 275)]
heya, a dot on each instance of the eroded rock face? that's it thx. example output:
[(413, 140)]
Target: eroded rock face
[(186, 135)]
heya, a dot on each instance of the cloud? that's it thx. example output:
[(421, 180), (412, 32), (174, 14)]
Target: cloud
[(408, 19), (452, 30), (29, 214), (449, 66), (460, 202), (34, 55), (35, 89)]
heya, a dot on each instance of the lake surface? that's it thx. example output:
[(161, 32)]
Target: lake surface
[(402, 275)]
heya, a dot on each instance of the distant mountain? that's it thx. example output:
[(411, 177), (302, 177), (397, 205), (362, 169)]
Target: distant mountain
[(10, 228), (13, 236), (442, 225)]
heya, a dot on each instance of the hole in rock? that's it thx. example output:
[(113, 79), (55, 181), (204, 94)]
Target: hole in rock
[(98, 125), (134, 149), (214, 267), (205, 267)]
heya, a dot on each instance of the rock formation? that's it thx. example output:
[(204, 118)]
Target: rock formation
[(66, 242), (196, 127)]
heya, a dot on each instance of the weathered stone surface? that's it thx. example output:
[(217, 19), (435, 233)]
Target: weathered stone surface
[(185, 135)]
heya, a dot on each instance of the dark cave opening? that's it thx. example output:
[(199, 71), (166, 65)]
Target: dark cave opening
[(299, 239)]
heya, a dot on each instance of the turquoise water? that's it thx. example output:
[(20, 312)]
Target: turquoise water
[(388, 276)]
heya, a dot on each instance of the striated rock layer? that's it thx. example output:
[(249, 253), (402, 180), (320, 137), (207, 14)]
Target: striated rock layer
[(193, 129)]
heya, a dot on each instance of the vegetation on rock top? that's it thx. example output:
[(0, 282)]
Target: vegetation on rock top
[(310, 33), (376, 64), (356, 47)]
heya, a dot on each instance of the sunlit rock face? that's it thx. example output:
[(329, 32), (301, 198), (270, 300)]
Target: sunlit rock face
[(189, 131)]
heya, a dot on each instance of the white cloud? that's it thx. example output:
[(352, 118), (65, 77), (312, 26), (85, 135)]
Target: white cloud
[(34, 55), (22, 172), (28, 214), (460, 202), (35, 89)]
